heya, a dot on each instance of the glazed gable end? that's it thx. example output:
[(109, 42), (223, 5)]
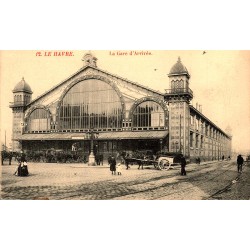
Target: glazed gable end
[(128, 91)]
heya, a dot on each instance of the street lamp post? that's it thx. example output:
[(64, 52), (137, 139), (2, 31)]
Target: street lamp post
[(91, 155), (161, 145), (176, 146)]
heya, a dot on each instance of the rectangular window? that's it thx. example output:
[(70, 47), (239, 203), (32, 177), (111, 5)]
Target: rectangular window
[(197, 141), (197, 124), (192, 120), (105, 147), (191, 139), (206, 128)]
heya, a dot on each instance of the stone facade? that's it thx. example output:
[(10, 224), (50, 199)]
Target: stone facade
[(189, 131)]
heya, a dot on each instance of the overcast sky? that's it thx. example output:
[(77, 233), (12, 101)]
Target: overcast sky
[(219, 79)]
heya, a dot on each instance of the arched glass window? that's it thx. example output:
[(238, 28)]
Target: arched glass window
[(91, 104), (148, 114), (39, 120)]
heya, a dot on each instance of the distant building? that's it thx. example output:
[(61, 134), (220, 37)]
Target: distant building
[(126, 115)]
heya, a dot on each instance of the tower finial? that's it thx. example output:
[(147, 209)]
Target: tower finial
[(89, 59), (179, 59)]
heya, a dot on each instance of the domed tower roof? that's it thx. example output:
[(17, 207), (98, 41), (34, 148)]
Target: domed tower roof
[(22, 86), (179, 69)]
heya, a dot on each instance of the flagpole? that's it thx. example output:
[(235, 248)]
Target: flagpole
[(5, 142)]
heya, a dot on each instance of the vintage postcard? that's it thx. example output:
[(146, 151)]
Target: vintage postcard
[(125, 125)]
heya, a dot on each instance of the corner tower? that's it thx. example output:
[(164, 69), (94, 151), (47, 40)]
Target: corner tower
[(178, 97), (22, 95)]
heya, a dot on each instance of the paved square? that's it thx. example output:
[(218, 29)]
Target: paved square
[(79, 181), (82, 182)]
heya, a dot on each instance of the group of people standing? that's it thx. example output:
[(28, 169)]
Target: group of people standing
[(22, 168), (117, 168), (113, 167)]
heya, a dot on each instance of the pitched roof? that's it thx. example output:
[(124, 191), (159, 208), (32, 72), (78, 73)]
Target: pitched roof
[(98, 69)]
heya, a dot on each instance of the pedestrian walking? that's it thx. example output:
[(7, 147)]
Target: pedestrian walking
[(183, 165), (109, 159), (97, 159), (113, 165), (126, 161), (240, 161), (18, 169), (199, 160), (101, 159), (119, 169), (10, 158)]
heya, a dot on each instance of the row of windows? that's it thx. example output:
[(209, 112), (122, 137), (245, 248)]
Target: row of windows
[(91, 103), (39, 120), (177, 85), (21, 98), (204, 128), (195, 141), (148, 114), (95, 104)]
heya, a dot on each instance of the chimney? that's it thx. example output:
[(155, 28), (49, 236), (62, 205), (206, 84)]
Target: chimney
[(200, 106), (197, 105)]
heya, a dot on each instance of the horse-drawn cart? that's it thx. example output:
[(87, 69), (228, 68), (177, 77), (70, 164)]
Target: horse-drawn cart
[(163, 162)]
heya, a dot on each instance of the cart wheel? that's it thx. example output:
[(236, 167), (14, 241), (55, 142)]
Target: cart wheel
[(164, 164)]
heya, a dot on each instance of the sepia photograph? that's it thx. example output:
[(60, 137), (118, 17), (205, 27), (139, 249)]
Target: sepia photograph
[(125, 125)]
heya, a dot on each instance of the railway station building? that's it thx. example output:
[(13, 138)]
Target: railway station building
[(120, 114)]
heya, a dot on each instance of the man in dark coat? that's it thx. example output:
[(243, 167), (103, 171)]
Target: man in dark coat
[(10, 158), (240, 163), (109, 159), (113, 165), (183, 165), (101, 159)]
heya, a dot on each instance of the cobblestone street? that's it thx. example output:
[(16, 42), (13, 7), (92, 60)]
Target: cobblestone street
[(82, 182)]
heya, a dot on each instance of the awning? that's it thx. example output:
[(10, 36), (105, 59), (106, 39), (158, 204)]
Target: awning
[(116, 135), (133, 135)]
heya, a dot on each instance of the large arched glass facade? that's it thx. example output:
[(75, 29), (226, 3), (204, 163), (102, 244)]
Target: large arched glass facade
[(148, 114), (90, 104), (38, 120)]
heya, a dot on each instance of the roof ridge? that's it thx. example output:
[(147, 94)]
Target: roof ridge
[(98, 69), (58, 85)]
